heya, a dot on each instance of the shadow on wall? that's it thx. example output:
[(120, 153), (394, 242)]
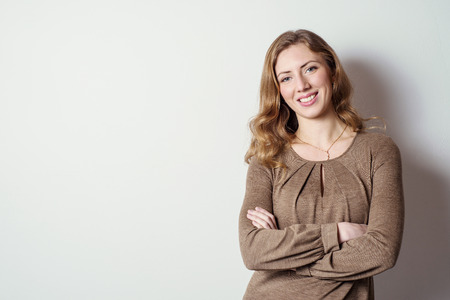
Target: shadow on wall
[(423, 268)]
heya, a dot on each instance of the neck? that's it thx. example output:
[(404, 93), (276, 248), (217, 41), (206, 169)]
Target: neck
[(320, 132)]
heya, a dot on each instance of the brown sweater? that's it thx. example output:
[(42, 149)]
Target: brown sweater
[(363, 185)]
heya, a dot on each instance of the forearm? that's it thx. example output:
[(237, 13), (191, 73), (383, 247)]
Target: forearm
[(290, 248), (269, 249), (377, 250), (359, 258)]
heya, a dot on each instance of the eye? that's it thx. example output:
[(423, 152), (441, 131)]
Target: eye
[(285, 79), (310, 69)]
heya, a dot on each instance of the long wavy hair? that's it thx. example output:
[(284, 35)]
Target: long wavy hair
[(273, 128)]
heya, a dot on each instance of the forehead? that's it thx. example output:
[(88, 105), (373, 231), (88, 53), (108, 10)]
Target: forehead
[(294, 57)]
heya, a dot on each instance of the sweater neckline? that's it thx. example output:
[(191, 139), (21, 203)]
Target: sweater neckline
[(332, 159)]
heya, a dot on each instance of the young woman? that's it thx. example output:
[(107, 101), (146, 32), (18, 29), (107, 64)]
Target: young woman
[(323, 210)]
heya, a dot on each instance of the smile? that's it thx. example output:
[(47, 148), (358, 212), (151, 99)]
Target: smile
[(308, 98)]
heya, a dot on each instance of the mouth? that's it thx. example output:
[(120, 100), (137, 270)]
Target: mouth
[(308, 98)]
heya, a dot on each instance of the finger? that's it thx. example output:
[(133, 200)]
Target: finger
[(268, 214), (265, 212), (262, 219), (262, 223), (257, 225)]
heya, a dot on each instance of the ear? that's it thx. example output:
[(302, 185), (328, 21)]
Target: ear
[(333, 81), (333, 77)]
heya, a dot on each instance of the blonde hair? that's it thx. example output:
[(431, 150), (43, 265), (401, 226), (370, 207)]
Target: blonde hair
[(273, 128)]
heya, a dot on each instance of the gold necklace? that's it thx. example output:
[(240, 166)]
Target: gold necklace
[(328, 150)]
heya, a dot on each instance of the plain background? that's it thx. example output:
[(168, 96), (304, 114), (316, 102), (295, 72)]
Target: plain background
[(123, 126)]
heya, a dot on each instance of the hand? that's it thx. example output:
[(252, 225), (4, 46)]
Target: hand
[(261, 218), (349, 231)]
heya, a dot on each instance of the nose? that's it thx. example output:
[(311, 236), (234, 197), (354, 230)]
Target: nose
[(302, 84)]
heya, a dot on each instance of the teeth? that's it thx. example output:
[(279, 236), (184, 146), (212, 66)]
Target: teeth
[(307, 99)]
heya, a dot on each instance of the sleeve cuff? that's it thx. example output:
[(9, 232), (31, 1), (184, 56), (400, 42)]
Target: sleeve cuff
[(329, 237), (303, 271), (330, 243)]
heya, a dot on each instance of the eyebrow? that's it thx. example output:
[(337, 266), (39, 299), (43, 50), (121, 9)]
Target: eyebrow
[(309, 61)]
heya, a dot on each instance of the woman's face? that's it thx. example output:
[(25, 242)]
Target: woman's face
[(305, 82)]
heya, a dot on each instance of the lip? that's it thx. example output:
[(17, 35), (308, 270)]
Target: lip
[(309, 103)]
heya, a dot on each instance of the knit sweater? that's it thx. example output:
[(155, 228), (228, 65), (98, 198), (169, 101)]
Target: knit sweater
[(303, 258)]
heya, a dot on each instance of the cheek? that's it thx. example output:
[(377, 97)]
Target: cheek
[(285, 93), (324, 80)]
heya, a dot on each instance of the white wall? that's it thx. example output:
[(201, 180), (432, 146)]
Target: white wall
[(123, 126)]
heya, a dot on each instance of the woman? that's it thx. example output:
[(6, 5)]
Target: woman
[(323, 210)]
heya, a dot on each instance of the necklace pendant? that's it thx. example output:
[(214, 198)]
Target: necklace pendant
[(320, 149)]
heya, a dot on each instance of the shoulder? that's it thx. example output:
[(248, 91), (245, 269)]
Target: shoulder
[(287, 157), (379, 148), (377, 142), (256, 167)]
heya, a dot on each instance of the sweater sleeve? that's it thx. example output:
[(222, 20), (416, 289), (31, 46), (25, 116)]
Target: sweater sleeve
[(266, 249), (377, 250)]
